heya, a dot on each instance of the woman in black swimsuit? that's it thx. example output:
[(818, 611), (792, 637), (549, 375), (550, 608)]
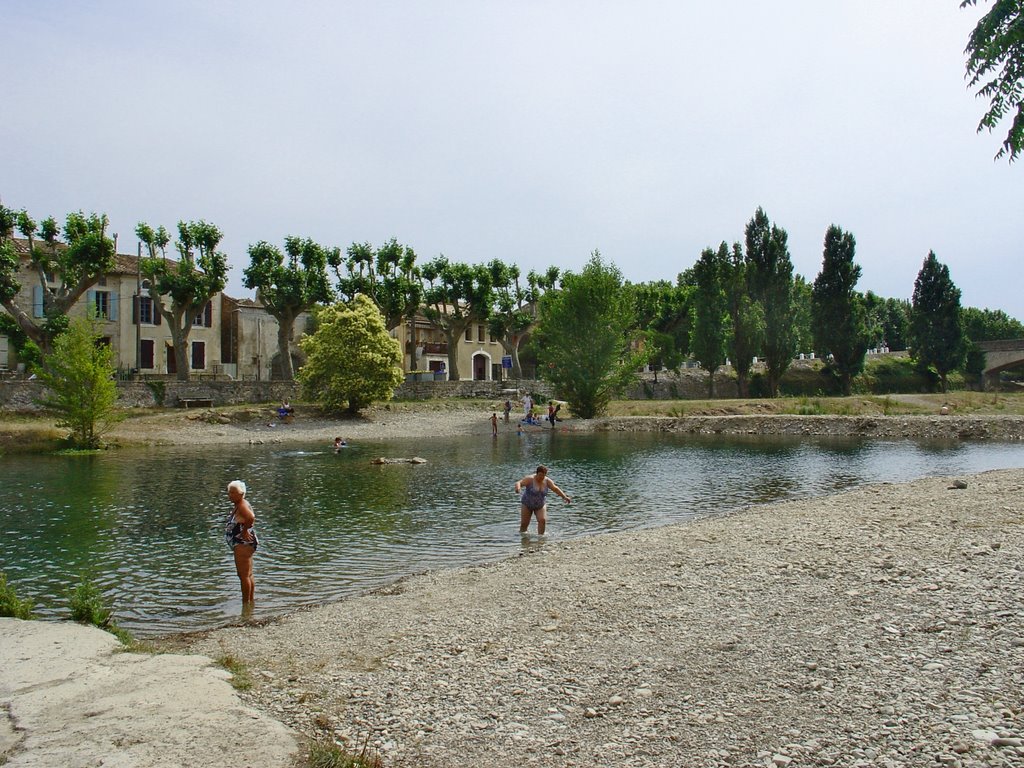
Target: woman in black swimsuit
[(535, 489), (240, 536)]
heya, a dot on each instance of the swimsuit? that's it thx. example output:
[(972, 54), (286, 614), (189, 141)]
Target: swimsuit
[(233, 534), (533, 498)]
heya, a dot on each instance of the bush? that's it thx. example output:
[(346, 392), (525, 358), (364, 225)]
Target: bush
[(10, 605), (326, 754)]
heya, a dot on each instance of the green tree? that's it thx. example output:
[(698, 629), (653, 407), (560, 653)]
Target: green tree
[(770, 278), (936, 323), (456, 296), (79, 376), (995, 65), (990, 325), (582, 342), (663, 316), (888, 321), (351, 359), (516, 305), (189, 283), (710, 316), (289, 288), (746, 319), (803, 331), (839, 318), (387, 275), (65, 270)]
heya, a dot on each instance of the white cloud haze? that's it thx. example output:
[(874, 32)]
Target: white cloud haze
[(534, 132)]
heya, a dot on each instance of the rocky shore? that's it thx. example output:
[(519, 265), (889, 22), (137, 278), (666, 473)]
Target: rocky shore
[(879, 627)]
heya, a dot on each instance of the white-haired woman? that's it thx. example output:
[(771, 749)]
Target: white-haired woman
[(241, 537)]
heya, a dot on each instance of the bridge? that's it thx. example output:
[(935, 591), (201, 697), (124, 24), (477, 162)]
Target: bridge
[(999, 356)]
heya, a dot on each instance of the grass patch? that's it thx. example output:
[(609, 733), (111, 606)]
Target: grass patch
[(89, 607), (327, 754), (11, 605), (241, 680)]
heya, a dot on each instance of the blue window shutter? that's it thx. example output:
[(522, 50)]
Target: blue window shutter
[(90, 303), (112, 305), (37, 301)]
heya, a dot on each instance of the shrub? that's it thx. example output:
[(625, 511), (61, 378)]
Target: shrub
[(327, 754), (89, 607), (10, 605)]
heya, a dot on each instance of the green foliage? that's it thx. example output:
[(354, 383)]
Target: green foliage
[(351, 361), (88, 606), (388, 276), (188, 284), (990, 325), (840, 329), (770, 279), (710, 320), (456, 295), (936, 324), (287, 289), (995, 64), (81, 389), (887, 321), (10, 605), (663, 315), (78, 263), (514, 313), (582, 343), (746, 317)]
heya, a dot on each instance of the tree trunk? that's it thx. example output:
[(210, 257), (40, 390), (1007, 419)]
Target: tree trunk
[(285, 324), (711, 383)]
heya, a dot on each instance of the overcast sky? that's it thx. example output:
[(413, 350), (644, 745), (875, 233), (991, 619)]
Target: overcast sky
[(534, 132)]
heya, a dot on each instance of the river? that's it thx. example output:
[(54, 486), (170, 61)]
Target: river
[(146, 525)]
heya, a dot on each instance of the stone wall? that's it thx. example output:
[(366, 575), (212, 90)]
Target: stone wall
[(492, 390), (23, 395)]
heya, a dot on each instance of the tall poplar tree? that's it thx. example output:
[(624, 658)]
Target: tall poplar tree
[(770, 278), (746, 319), (710, 318), (837, 309), (936, 322)]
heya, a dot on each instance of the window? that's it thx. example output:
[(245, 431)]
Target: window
[(469, 333), (103, 303), (145, 309), (198, 355), (205, 317), (146, 358), (480, 333)]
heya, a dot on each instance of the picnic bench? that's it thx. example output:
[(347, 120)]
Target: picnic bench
[(195, 402)]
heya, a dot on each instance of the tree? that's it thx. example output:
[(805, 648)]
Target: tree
[(710, 318), (746, 317), (514, 314), (995, 64), (289, 289), (936, 323), (582, 343), (351, 359), (990, 325), (840, 327), (888, 321), (456, 296), (770, 278), (189, 283), (663, 316), (79, 375), (65, 270), (387, 275)]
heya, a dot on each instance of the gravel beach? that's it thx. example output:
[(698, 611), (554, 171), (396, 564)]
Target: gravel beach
[(878, 627)]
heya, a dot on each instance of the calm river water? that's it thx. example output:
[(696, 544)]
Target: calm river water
[(146, 525)]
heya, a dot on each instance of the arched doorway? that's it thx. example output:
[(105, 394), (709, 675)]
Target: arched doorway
[(481, 366)]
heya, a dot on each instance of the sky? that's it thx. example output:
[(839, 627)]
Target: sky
[(534, 132)]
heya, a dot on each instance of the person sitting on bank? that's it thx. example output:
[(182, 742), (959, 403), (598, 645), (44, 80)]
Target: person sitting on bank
[(285, 410)]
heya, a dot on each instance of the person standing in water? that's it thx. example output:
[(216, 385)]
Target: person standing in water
[(533, 501), (240, 536), (494, 424)]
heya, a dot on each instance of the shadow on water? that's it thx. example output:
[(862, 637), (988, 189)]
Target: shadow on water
[(146, 525)]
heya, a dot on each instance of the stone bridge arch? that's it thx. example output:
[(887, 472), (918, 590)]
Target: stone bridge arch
[(999, 356)]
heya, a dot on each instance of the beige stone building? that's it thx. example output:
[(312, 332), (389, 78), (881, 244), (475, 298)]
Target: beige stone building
[(424, 348)]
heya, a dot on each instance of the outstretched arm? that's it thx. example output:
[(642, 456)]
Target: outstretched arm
[(558, 490)]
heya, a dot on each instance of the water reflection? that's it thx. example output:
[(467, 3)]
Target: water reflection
[(146, 525)]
